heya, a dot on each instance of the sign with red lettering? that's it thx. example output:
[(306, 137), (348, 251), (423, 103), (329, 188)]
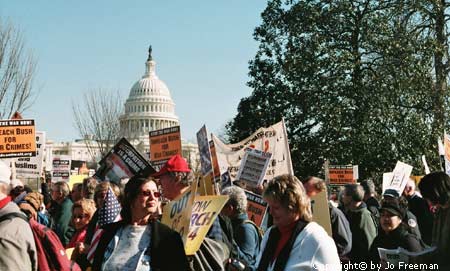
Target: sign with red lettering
[(17, 138), (343, 174), (256, 208), (164, 144)]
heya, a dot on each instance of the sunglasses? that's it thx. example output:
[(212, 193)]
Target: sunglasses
[(149, 193), (79, 216)]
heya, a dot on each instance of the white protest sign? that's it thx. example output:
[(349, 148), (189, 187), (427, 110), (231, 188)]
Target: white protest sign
[(272, 139), (447, 153), (31, 167), (400, 176), (253, 167), (61, 168)]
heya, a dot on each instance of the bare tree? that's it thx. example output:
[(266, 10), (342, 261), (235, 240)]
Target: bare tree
[(17, 69), (96, 117)]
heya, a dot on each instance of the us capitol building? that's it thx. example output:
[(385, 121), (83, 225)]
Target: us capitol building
[(149, 107)]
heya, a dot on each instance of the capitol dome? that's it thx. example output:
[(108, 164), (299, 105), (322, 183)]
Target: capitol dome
[(148, 107)]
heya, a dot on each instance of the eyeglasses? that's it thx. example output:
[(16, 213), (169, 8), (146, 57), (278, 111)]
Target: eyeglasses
[(80, 216), (149, 193)]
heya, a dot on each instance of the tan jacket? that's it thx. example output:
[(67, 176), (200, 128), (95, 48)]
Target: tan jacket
[(18, 250)]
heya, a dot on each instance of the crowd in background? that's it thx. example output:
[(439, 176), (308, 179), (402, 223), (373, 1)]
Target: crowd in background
[(361, 222)]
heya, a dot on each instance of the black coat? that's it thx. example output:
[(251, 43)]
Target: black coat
[(419, 207), (166, 248), (399, 237)]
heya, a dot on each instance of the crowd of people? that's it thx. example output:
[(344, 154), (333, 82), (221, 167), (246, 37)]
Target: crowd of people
[(361, 223)]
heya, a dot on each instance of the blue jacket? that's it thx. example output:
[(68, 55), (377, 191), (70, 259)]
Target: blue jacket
[(247, 238)]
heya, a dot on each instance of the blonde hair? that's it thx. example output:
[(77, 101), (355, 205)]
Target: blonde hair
[(87, 205), (290, 193)]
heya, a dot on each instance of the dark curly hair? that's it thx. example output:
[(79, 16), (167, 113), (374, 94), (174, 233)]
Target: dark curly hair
[(131, 192)]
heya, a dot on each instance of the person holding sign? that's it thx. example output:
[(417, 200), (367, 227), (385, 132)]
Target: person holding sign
[(294, 242), (175, 178), (393, 232), (138, 242)]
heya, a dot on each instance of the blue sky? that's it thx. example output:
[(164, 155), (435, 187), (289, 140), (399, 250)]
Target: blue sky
[(202, 49)]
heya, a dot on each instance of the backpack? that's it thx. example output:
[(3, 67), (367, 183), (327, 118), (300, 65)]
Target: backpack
[(375, 214), (258, 229), (51, 254)]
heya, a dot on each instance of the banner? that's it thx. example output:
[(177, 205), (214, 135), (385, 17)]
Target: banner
[(400, 177), (253, 167), (342, 174), (17, 138), (204, 151), (272, 139), (256, 208), (122, 161), (61, 168), (164, 144), (31, 167)]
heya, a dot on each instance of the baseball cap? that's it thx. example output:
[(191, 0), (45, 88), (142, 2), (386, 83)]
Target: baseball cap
[(393, 208), (391, 193), (176, 163), (5, 173)]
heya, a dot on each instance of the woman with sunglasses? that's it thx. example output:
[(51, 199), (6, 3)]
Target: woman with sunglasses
[(82, 212), (139, 242)]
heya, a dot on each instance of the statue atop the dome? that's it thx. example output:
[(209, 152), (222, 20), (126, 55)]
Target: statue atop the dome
[(149, 53)]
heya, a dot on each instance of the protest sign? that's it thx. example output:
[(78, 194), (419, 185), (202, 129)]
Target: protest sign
[(207, 185), (204, 211), (253, 167), (215, 162), (31, 167), (272, 139), (387, 178), (400, 177), (400, 258), (204, 151), (74, 179), (321, 211), (339, 175), (61, 168), (447, 153), (225, 180), (256, 208), (164, 144), (17, 138), (122, 161), (177, 213)]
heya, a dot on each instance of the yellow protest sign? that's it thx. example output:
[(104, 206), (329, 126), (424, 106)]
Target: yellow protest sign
[(177, 213), (73, 179), (204, 211), (17, 138), (320, 210)]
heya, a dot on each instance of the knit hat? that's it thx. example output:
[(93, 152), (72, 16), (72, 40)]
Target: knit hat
[(35, 199), (393, 208), (5, 173), (175, 164)]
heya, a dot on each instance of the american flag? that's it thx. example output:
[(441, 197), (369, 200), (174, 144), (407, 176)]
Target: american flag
[(109, 213)]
